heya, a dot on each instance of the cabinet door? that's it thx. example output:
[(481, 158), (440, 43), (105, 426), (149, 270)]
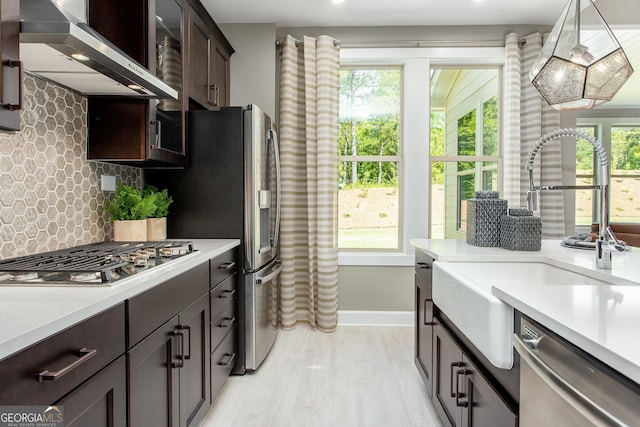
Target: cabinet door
[(219, 74), (10, 76), (195, 375), (199, 47), (424, 330), (168, 39), (447, 396), (99, 402), (483, 406), (154, 366), (140, 131)]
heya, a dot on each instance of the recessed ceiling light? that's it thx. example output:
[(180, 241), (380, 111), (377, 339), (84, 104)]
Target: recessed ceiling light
[(337, 1), (80, 57)]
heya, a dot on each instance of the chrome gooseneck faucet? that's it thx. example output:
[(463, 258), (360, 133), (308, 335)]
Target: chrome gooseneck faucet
[(606, 238)]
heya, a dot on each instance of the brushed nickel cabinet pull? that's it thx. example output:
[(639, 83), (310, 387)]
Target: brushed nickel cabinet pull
[(423, 265), (227, 322), (427, 322), (227, 294), (180, 363), (453, 364), (227, 265), (458, 394), (13, 63), (227, 359), (84, 354)]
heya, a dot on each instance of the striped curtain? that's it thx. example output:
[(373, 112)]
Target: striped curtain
[(527, 118), (309, 88)]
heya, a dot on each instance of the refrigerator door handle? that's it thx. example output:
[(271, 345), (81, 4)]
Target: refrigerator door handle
[(269, 277), (276, 148)]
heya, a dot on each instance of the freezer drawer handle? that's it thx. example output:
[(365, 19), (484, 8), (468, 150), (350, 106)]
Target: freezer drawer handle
[(269, 277), (84, 354), (565, 390), (227, 359), (227, 265)]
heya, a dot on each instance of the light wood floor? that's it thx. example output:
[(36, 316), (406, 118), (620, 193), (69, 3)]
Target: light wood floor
[(357, 376)]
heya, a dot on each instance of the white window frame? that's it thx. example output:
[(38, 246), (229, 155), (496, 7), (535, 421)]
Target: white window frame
[(415, 175), (603, 126)]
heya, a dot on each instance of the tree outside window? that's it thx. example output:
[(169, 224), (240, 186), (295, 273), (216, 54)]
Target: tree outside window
[(369, 159)]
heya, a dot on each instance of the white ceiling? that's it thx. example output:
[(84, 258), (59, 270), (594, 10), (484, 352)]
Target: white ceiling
[(323, 13), (353, 13)]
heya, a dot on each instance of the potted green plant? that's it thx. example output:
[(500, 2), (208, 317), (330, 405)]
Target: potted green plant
[(129, 212), (157, 222)]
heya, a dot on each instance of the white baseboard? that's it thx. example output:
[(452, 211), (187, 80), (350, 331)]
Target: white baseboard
[(375, 318)]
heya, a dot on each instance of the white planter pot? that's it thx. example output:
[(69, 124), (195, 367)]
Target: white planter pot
[(156, 229), (130, 231)]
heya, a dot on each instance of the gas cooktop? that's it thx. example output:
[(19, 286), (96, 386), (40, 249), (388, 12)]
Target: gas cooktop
[(94, 264)]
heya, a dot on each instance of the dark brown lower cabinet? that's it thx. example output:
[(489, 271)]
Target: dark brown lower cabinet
[(462, 395), (99, 402), (169, 371), (424, 319)]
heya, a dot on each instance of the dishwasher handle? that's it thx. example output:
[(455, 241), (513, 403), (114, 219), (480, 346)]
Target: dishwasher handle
[(566, 390)]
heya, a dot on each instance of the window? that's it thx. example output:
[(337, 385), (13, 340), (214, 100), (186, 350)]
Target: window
[(622, 144), (370, 162), (585, 166), (411, 156), (464, 143)]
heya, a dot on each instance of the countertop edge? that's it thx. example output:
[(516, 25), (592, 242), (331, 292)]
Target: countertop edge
[(605, 355), (88, 302)]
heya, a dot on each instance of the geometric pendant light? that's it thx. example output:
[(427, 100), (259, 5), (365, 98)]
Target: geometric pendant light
[(582, 64)]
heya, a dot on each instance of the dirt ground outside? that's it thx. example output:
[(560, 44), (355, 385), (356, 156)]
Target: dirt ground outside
[(369, 217)]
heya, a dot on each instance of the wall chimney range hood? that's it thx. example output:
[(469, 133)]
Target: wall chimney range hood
[(57, 45)]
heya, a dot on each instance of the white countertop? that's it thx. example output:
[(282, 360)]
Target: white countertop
[(29, 314), (602, 320)]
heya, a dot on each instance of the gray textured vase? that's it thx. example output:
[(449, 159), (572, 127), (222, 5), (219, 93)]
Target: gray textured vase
[(521, 231), (483, 218)]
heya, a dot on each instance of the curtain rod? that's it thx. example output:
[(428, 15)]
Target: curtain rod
[(414, 43)]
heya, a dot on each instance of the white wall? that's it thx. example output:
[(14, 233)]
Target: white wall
[(253, 65), (375, 288)]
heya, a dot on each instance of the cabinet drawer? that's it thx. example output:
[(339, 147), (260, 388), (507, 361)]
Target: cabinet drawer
[(223, 266), (152, 308), (222, 324), (222, 362), (101, 339), (224, 294)]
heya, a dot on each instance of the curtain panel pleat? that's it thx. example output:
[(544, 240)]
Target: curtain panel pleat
[(308, 150), (527, 118)]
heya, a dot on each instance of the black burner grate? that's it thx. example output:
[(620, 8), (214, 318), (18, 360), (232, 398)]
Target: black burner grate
[(107, 261)]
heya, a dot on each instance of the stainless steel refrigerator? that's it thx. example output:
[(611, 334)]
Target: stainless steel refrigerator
[(231, 189)]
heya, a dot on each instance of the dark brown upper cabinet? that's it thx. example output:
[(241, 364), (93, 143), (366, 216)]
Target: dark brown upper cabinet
[(208, 73), (158, 34), (11, 70)]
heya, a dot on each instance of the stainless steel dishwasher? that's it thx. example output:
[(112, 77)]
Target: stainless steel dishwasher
[(562, 386)]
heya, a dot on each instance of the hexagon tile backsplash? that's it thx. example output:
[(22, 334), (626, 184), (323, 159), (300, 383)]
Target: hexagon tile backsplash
[(50, 195)]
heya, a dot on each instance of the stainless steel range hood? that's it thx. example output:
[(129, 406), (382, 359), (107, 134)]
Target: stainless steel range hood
[(57, 45)]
